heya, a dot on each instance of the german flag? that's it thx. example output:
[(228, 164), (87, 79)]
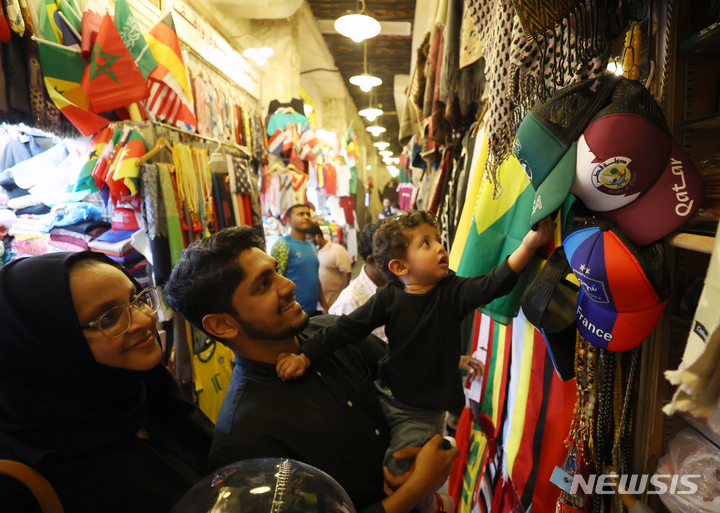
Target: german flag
[(63, 69), (170, 93)]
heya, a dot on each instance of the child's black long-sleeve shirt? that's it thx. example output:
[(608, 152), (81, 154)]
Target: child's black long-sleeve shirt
[(423, 332)]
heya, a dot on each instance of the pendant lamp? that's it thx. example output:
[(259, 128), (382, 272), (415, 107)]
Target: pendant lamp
[(381, 145), (371, 113), (386, 153), (358, 27), (365, 81), (375, 130)]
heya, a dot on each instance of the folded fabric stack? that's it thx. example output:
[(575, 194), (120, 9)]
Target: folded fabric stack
[(68, 240)]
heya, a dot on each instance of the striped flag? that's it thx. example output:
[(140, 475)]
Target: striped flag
[(171, 98), (127, 170), (62, 70), (85, 180), (106, 157)]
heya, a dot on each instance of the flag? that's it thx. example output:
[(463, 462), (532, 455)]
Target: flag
[(127, 170), (70, 37), (106, 157), (171, 98), (85, 180), (48, 21), (92, 18), (70, 10), (62, 69), (132, 37), (111, 78), (499, 229), (495, 376), (117, 189)]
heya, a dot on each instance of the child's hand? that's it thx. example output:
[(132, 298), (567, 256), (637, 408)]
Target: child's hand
[(290, 365), (544, 234), (473, 366)]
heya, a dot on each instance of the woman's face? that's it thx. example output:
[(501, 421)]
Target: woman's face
[(96, 287)]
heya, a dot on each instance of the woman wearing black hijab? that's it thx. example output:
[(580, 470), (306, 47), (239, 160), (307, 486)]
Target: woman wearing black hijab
[(83, 397)]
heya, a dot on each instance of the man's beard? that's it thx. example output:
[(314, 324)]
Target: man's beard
[(264, 334)]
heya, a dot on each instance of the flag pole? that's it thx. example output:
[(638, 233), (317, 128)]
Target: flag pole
[(134, 112)]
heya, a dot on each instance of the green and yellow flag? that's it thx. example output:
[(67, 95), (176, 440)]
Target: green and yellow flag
[(49, 21), (127, 170), (63, 69), (133, 38)]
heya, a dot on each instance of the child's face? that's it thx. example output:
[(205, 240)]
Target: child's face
[(426, 259)]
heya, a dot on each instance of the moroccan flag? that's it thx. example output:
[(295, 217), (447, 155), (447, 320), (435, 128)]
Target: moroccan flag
[(112, 79), (62, 69), (133, 38), (92, 18), (171, 98), (70, 10), (105, 158), (499, 228), (48, 21), (85, 180), (127, 170)]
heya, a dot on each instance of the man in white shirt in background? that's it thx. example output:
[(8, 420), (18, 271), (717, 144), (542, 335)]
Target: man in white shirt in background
[(369, 279), (335, 265)]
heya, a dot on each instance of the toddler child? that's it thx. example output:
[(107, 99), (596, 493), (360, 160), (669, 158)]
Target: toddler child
[(422, 307)]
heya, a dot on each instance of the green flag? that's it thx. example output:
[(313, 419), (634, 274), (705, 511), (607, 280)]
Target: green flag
[(133, 38), (48, 21), (72, 14)]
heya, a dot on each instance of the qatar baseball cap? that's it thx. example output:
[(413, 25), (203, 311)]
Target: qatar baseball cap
[(123, 224), (623, 288), (545, 143), (549, 305), (627, 153)]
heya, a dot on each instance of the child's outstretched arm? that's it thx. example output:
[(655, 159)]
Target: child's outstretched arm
[(532, 241), (291, 365)]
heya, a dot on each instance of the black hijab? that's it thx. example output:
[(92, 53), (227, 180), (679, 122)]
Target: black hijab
[(61, 410)]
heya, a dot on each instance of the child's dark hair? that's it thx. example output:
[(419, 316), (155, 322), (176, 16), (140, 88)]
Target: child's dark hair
[(392, 238)]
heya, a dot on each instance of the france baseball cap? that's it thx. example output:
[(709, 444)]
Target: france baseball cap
[(545, 144), (123, 224), (623, 288), (549, 305), (631, 171)]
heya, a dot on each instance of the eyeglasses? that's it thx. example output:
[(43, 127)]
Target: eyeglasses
[(116, 321)]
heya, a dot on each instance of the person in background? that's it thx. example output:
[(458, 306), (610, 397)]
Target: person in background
[(297, 261), (388, 209), (335, 265), (227, 286), (84, 398), (363, 287)]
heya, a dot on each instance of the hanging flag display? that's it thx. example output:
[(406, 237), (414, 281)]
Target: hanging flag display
[(171, 98), (85, 179), (62, 70), (111, 79), (132, 37), (92, 18), (106, 157), (127, 170)]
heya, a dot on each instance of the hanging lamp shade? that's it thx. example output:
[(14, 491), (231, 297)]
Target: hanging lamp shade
[(357, 27), (365, 81), (381, 145), (386, 153), (259, 54), (375, 130), (371, 113)]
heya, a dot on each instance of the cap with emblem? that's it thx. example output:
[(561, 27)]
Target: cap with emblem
[(545, 144), (631, 171), (623, 288)]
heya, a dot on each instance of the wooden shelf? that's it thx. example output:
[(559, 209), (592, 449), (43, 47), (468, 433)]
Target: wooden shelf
[(705, 42), (699, 243), (699, 426), (707, 123)]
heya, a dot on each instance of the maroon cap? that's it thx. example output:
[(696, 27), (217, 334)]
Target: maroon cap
[(620, 155), (673, 199)]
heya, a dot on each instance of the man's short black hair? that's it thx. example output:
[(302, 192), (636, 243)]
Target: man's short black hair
[(315, 230), (289, 212), (207, 275), (365, 244)]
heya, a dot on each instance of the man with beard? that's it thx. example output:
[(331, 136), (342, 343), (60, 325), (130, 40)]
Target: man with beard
[(297, 260), (330, 418)]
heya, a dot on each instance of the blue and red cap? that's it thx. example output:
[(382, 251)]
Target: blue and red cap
[(623, 288)]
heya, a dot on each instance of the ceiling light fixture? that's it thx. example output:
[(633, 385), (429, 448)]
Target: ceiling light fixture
[(259, 54), (370, 113), (375, 130), (386, 153), (365, 81), (381, 145), (393, 171), (307, 109), (357, 27)]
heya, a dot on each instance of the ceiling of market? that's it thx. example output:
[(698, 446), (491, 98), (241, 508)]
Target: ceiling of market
[(387, 55)]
